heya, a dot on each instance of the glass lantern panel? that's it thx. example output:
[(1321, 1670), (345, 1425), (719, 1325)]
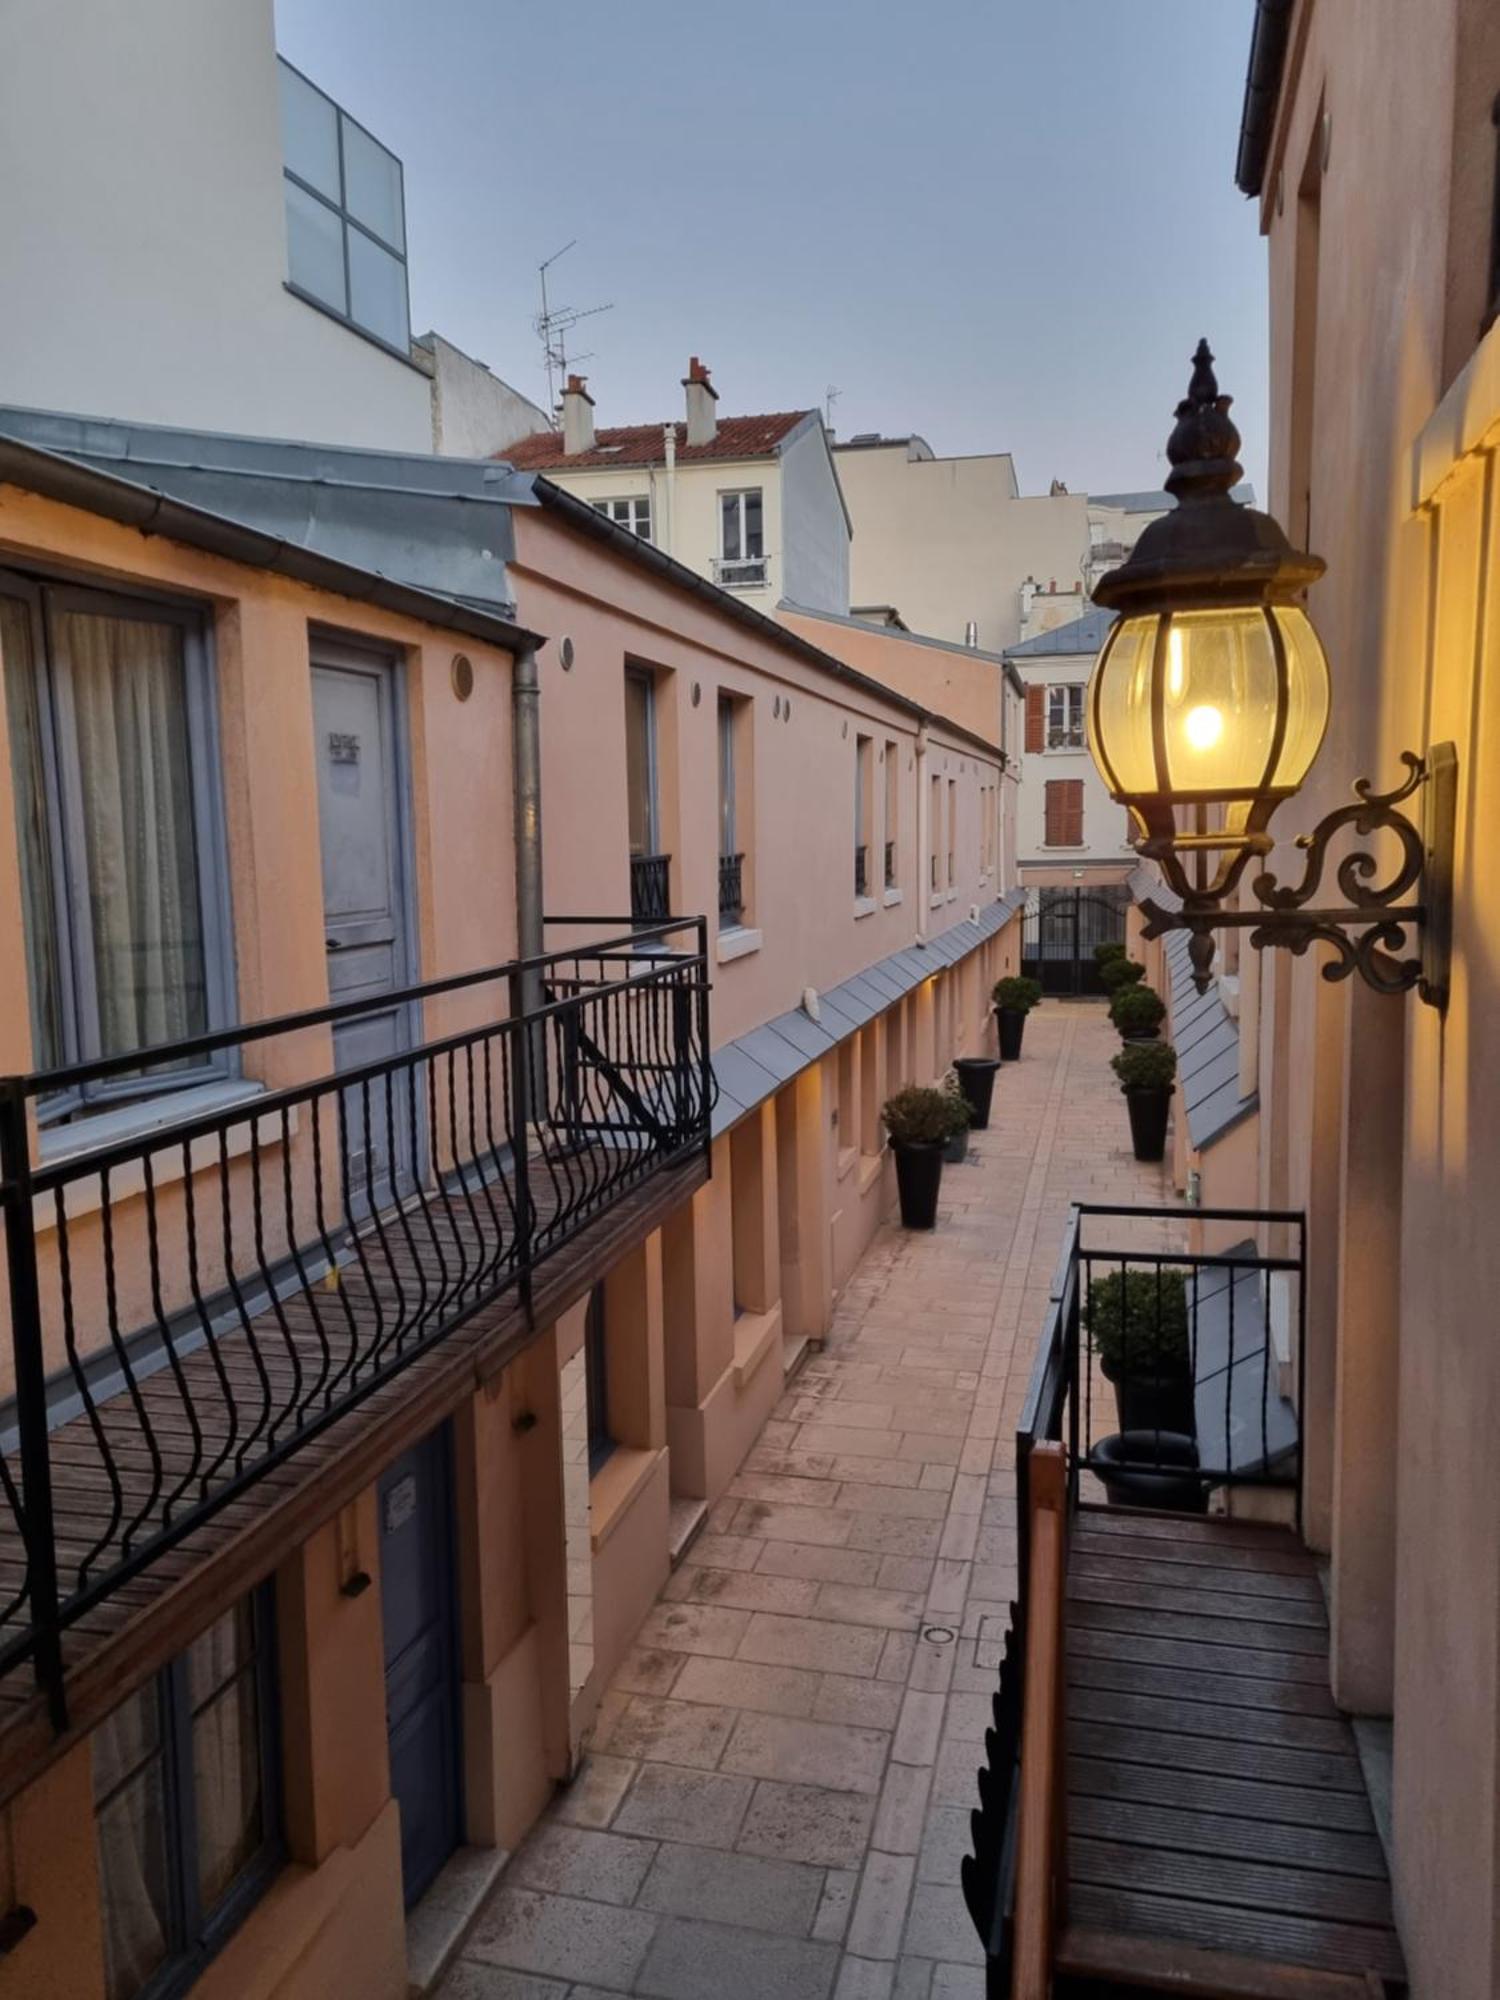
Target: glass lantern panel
[(1219, 701), (1307, 695), (1118, 709)]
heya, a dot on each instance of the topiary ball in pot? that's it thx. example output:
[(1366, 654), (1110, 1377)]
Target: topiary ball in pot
[(1138, 1012), (1013, 999), (1146, 1071), (1138, 1325), (1111, 949), (920, 1122), (1121, 971)]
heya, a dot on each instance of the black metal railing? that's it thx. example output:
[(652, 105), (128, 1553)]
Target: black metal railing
[(190, 1305), (731, 888), (650, 888), (860, 872), (890, 864)]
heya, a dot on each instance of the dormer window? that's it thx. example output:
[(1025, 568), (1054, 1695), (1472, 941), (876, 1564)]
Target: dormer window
[(345, 215)]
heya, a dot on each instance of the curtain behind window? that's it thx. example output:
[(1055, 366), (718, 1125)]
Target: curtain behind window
[(23, 699), (130, 1822), (130, 717)]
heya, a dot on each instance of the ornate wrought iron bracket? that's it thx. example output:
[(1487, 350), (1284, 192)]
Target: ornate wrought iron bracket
[(1395, 932)]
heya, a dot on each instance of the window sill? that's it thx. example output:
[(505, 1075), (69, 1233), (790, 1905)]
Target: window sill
[(737, 942), (67, 1142), (614, 1487), (755, 1336), (353, 326), (870, 1171), (892, 898), (864, 906), (1048, 848), (844, 1164)]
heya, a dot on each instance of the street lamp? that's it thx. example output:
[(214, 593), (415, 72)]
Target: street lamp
[(1207, 706)]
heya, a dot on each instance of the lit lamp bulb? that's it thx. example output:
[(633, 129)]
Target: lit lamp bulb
[(1203, 726), (1174, 665)]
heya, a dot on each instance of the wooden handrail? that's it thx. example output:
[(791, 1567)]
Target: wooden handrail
[(1041, 1821)]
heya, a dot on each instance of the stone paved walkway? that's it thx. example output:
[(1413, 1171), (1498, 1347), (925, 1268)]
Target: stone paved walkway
[(780, 1786)]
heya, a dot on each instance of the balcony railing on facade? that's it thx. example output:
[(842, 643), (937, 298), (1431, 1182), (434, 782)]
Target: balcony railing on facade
[(650, 888), (861, 871), (191, 1305), (742, 572), (731, 890)]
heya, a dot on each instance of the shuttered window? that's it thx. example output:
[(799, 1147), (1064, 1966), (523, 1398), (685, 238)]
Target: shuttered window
[(1064, 812), (1036, 719)]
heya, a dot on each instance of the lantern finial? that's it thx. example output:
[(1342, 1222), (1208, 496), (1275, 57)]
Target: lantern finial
[(1204, 443)]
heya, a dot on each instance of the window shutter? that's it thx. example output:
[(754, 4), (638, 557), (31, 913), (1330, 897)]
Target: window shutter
[(1052, 834), (1036, 719), (1072, 812)]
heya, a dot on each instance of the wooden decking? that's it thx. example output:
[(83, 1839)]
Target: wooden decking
[(1220, 1840), (135, 1630)]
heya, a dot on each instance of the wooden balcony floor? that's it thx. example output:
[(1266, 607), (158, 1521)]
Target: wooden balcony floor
[(1216, 1806), (112, 1646)]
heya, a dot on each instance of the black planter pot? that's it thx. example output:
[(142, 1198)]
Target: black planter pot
[(1148, 1121), (976, 1079), (1157, 1403), (1141, 1035), (1010, 1023), (957, 1149), (1172, 1483), (919, 1175)]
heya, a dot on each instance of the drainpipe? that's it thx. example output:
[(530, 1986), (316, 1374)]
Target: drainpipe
[(669, 441), (526, 773), (924, 837)]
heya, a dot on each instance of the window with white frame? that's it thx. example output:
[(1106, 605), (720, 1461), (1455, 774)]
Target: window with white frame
[(1065, 716), (119, 827), (632, 512), (186, 1808), (742, 538), (345, 214)]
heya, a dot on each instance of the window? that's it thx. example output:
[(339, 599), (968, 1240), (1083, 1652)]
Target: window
[(122, 875), (186, 1812), (1065, 717), (650, 871), (731, 859), (936, 832), (952, 831), (742, 540), (345, 214), (596, 1380), (1064, 812), (892, 811), (633, 513), (864, 750)]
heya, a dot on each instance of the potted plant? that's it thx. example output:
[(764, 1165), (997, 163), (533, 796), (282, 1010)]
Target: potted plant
[(976, 1079), (1121, 971), (1146, 1071), (956, 1151), (1138, 1012), (920, 1122), (1103, 953), (1138, 1323), (1013, 1000)]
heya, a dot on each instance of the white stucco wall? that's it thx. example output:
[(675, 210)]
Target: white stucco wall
[(474, 413), (947, 540), (142, 236), (815, 527)]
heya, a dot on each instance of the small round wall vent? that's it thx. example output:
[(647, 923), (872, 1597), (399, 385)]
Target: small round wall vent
[(565, 654), (463, 676)]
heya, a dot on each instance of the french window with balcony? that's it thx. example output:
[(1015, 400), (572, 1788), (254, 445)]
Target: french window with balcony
[(345, 215), (1065, 716), (952, 831), (892, 811), (118, 822), (632, 512), (742, 540), (650, 869), (186, 1809), (731, 855), (596, 1379), (864, 753)]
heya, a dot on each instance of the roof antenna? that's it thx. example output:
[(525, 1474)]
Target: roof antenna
[(553, 325), (830, 396)]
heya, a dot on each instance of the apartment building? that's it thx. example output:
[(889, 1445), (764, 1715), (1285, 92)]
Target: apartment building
[(376, 1340), (753, 503), (1068, 828)]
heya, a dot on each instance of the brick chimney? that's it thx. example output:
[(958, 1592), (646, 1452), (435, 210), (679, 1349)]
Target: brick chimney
[(702, 421), (578, 416)]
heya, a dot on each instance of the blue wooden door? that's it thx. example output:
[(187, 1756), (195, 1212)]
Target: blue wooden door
[(418, 1608)]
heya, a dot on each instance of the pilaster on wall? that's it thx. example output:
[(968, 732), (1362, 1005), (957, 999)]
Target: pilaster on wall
[(923, 1002), (802, 1205)]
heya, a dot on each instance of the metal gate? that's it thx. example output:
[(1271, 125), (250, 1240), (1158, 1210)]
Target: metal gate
[(1061, 930)]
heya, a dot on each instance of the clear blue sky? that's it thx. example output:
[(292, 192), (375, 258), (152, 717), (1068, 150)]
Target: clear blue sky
[(1002, 225)]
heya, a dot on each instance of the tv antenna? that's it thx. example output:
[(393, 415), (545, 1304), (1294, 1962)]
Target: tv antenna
[(553, 325), (830, 396)]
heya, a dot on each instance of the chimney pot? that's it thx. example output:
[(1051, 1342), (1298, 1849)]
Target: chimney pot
[(578, 416), (702, 419)]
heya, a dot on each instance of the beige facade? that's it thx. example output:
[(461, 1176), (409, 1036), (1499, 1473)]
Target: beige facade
[(1375, 1114), (677, 1309), (1068, 828)]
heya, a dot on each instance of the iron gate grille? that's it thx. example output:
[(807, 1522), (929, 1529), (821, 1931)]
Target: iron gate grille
[(1062, 928)]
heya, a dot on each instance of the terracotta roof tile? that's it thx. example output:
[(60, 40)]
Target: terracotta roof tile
[(641, 444)]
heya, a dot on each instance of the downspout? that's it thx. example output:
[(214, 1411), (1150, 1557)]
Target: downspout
[(669, 442), (526, 785), (924, 836)]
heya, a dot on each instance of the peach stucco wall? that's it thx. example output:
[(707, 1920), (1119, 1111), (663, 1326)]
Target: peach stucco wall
[(966, 686)]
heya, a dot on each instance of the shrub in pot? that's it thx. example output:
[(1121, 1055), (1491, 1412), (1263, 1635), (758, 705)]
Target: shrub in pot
[(1122, 971), (920, 1122), (1138, 1012), (1138, 1323), (957, 1149), (1146, 1071), (1013, 1000), (1103, 953)]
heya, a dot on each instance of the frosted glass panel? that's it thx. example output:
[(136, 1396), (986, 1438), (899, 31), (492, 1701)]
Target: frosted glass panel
[(315, 248), (377, 290), (309, 134), (372, 186)]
